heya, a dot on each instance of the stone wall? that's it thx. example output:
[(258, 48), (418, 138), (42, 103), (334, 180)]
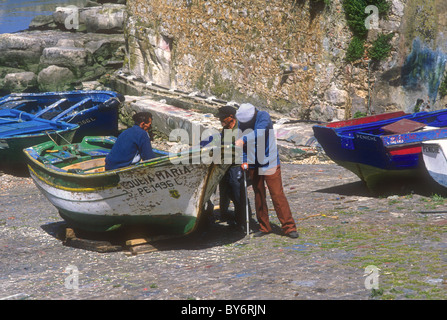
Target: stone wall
[(417, 67), (281, 55), (289, 56)]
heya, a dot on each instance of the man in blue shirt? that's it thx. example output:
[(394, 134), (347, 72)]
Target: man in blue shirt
[(133, 145), (261, 159)]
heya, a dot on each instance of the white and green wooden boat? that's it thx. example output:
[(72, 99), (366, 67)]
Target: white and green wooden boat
[(167, 194)]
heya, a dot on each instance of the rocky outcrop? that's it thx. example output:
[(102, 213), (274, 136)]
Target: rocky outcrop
[(108, 18), (50, 57)]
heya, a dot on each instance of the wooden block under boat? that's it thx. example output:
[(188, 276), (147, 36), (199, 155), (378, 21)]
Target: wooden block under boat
[(71, 240), (143, 248)]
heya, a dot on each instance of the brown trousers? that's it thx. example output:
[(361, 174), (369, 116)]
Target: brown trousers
[(280, 203)]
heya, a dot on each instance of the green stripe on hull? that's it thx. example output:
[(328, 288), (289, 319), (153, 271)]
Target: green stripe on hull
[(169, 224)]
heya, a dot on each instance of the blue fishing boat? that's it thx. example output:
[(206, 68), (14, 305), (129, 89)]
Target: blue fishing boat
[(386, 147), (19, 130), (96, 112)]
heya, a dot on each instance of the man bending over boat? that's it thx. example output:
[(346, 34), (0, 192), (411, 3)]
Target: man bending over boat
[(133, 145), (261, 158)]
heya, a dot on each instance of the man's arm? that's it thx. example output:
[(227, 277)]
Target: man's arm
[(146, 148)]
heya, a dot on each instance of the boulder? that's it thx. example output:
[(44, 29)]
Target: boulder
[(87, 56), (107, 18), (19, 50), (20, 82), (42, 22), (336, 96), (54, 78), (70, 57)]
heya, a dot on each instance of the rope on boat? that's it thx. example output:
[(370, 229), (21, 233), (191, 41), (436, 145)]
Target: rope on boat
[(60, 136)]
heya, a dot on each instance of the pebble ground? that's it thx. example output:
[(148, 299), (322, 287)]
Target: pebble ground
[(343, 227)]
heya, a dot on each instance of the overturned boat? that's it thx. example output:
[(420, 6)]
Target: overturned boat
[(167, 194)]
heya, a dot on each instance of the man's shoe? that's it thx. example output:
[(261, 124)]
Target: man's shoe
[(293, 234), (260, 234)]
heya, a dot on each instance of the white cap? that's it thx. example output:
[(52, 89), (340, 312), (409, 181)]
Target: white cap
[(245, 112)]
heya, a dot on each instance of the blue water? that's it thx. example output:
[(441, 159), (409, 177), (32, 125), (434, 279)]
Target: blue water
[(16, 15)]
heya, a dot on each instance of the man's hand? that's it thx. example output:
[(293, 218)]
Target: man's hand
[(244, 166), (239, 143)]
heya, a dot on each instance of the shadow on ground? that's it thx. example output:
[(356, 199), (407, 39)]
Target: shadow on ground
[(423, 186), (210, 234), (18, 170)]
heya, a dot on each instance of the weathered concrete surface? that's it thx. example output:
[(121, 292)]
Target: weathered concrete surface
[(343, 229), (295, 139)]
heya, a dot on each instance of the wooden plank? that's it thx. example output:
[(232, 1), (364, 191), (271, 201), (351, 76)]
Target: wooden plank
[(89, 164), (138, 241), (403, 126), (101, 169), (144, 248), (92, 245), (134, 242), (71, 240)]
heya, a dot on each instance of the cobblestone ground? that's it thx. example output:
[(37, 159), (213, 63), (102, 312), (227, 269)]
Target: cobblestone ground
[(343, 229)]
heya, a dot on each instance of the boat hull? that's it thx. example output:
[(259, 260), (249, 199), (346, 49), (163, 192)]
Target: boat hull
[(375, 177), (435, 161), (11, 149), (375, 155), (96, 112), (165, 196)]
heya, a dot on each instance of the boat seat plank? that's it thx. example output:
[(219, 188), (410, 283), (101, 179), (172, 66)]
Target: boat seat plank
[(84, 104), (87, 165), (50, 108), (94, 153), (59, 156)]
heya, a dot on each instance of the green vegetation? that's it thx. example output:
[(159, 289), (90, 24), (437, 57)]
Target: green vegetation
[(356, 18), (381, 47), (359, 114), (356, 49), (326, 2), (443, 87)]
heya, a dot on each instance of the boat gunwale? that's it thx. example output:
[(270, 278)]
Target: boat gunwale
[(154, 162)]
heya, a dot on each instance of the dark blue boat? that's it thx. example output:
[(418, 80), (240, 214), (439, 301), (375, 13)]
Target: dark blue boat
[(96, 112), (387, 147)]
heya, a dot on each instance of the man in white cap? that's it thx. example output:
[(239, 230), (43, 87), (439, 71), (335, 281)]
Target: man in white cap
[(261, 158)]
